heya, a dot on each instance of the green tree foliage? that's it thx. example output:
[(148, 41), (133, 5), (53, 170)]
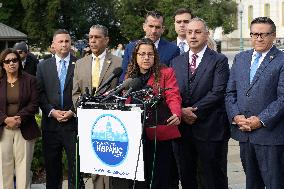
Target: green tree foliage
[(124, 18)]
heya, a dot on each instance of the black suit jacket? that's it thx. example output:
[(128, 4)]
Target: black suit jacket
[(205, 89), (49, 90), (31, 64), (28, 105)]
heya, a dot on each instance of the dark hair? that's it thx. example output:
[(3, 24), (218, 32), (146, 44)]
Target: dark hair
[(133, 68), (154, 14), (60, 31), (182, 11), (2, 58), (264, 20), (102, 28)]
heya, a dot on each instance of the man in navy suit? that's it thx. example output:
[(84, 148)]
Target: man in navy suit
[(59, 127), (202, 76), (153, 28), (181, 18), (254, 102)]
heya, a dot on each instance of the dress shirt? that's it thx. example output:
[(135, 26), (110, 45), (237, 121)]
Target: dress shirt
[(102, 59), (199, 58), (186, 47)]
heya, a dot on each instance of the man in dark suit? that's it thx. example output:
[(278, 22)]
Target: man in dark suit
[(59, 127), (29, 61), (254, 102), (202, 76), (153, 28), (86, 75), (181, 18)]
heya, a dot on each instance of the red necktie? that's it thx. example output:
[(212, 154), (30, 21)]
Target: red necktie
[(193, 63)]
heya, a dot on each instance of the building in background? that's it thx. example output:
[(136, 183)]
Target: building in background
[(250, 9)]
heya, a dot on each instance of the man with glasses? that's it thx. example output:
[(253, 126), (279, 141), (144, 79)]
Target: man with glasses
[(254, 103), (153, 28), (29, 61), (182, 17), (202, 76)]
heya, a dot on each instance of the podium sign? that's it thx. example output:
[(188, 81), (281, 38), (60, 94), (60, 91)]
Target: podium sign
[(109, 142)]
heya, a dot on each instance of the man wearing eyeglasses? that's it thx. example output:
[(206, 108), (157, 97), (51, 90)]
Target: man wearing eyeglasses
[(182, 17), (29, 61), (254, 103), (153, 28)]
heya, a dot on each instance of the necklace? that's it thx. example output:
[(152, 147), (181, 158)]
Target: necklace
[(12, 84)]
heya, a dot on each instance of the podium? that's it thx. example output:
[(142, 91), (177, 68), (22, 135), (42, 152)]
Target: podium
[(110, 141)]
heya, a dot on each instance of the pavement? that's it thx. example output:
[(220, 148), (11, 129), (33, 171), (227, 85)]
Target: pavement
[(235, 170)]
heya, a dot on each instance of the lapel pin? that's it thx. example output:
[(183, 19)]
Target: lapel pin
[(271, 57), (108, 61), (73, 62)]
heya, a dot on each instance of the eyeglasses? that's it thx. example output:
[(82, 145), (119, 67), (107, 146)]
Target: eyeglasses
[(14, 60), (261, 35), (20, 51), (144, 55)]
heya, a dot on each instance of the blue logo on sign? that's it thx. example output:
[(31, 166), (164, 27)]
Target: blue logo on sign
[(109, 139)]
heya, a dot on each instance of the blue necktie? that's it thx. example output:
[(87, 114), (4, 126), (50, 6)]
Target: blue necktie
[(62, 77), (254, 66), (181, 47)]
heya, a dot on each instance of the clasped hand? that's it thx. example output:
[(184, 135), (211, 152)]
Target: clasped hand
[(188, 115), (247, 124), (62, 116), (13, 122)]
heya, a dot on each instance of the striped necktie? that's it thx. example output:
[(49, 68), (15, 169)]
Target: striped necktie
[(62, 77), (254, 66), (181, 47), (193, 63)]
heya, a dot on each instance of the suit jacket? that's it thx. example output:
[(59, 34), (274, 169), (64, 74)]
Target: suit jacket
[(167, 51), (83, 74), (49, 90), (28, 105), (31, 64), (205, 89), (264, 97)]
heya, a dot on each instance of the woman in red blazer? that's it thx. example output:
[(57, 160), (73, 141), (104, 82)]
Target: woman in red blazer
[(158, 151), (18, 127)]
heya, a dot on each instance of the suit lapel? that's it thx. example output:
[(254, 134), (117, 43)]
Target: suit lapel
[(70, 71), (267, 59), (206, 59), (105, 67), (52, 71)]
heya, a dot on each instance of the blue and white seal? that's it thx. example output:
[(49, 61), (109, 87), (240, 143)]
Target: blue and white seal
[(109, 139)]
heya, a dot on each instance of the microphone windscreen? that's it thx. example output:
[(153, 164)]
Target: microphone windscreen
[(136, 84), (117, 72)]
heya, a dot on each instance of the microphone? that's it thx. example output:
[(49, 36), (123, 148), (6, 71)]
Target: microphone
[(135, 85), (118, 89), (116, 73)]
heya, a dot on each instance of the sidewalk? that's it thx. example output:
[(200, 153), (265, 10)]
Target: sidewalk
[(235, 170)]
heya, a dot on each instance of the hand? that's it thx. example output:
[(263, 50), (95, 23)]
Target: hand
[(13, 122), (242, 122), (173, 120), (254, 122), (188, 116), (67, 115), (58, 115)]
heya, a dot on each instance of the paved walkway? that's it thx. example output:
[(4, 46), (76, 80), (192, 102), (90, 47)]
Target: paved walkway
[(235, 170)]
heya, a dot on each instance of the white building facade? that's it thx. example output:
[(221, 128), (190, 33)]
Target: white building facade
[(250, 9)]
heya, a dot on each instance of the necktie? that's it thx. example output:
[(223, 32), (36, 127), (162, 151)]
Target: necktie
[(181, 47), (254, 66), (62, 77), (96, 73), (193, 63)]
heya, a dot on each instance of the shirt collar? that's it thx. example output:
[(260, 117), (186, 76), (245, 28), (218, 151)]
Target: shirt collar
[(179, 40), (101, 56), (67, 58), (200, 53), (263, 54)]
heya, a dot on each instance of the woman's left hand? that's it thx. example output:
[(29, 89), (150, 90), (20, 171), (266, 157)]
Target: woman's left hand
[(173, 120)]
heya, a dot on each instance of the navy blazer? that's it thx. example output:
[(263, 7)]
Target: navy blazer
[(49, 91), (264, 97), (205, 89), (167, 51), (28, 105)]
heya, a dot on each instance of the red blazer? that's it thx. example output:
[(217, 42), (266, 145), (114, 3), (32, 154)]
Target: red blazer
[(28, 105), (173, 100)]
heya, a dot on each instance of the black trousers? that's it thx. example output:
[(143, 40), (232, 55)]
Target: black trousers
[(263, 165), (53, 145), (211, 159)]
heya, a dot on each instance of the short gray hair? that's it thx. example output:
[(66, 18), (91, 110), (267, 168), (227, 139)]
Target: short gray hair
[(197, 19), (100, 27)]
